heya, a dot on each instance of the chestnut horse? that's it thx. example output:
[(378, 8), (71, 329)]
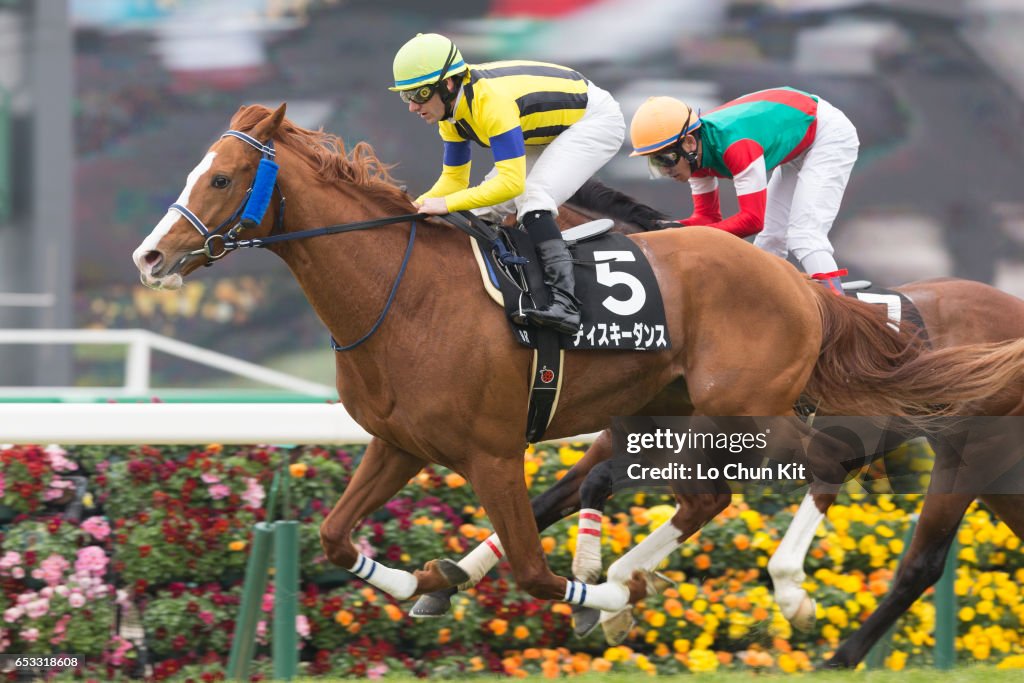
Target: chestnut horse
[(433, 374)]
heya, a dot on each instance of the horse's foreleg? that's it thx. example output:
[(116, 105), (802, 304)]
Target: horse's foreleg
[(501, 488), (921, 567), (786, 565), (381, 473), (558, 502)]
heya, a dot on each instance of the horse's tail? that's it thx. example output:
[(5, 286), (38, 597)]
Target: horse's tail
[(607, 201), (865, 367)]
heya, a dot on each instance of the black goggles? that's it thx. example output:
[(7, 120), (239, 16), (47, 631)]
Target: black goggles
[(418, 95), (666, 158)]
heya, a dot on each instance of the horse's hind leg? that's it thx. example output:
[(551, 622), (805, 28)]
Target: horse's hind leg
[(921, 567), (381, 473), (786, 565)]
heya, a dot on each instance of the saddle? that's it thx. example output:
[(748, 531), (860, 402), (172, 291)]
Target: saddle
[(620, 302)]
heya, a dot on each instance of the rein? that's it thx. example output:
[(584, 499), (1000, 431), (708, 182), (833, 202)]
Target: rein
[(254, 207)]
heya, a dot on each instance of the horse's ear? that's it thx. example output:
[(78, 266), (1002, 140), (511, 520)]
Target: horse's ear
[(266, 128)]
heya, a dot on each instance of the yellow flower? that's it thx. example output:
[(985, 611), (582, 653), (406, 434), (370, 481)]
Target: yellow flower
[(569, 456), (897, 660), (688, 591), (966, 614), (659, 514), (702, 660), (298, 469)]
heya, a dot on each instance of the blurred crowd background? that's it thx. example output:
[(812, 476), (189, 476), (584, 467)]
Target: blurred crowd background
[(935, 88)]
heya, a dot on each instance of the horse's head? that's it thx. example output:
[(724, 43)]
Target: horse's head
[(228, 190)]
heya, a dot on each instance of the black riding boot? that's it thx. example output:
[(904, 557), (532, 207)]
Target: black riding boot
[(563, 313)]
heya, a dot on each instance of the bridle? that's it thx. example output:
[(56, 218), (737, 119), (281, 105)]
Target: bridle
[(249, 213), (254, 207)]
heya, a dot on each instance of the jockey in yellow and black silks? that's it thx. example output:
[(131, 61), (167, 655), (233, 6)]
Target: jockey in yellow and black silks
[(549, 129)]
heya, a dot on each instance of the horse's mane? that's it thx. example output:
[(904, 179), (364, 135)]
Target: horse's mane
[(597, 197), (326, 154)]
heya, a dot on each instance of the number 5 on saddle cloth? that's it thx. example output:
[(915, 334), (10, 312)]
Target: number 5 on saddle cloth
[(620, 303)]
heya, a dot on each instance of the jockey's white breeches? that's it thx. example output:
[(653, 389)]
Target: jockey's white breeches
[(556, 170), (804, 194)]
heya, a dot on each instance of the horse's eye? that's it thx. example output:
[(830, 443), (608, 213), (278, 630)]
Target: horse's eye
[(220, 182)]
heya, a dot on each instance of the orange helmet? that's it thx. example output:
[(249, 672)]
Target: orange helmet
[(660, 122)]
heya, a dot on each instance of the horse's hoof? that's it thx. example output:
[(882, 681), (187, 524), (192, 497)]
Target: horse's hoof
[(658, 583), (452, 572), (617, 627), (585, 620), (805, 618), (433, 605)]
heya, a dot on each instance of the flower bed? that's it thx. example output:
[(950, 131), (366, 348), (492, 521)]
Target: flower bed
[(165, 534)]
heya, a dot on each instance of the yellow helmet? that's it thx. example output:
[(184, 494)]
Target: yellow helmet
[(427, 59), (660, 122)]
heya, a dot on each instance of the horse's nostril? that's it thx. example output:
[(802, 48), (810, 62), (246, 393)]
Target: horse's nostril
[(153, 258)]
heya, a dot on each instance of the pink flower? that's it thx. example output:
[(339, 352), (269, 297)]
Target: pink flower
[(12, 614), (218, 491), (377, 670), (268, 602), (57, 460), (97, 526), (52, 569), (3, 484), (91, 560), (206, 617), (210, 478), (302, 625), (30, 635), (38, 608), (254, 493), (76, 600), (10, 559)]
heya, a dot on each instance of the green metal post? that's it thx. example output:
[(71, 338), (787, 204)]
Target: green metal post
[(945, 611), (876, 657), (244, 641), (286, 588)]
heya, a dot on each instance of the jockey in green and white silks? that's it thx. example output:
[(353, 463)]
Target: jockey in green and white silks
[(806, 145)]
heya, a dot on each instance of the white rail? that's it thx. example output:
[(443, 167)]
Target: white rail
[(140, 346), (178, 423)]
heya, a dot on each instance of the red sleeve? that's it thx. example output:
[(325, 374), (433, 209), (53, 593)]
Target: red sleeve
[(745, 160), (706, 209)]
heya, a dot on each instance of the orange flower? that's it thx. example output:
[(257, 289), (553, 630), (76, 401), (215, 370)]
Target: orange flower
[(741, 541), (445, 635), (344, 617), (298, 469), (702, 562), (354, 627), (531, 653), (547, 544), (477, 663), (499, 627), (214, 448), (369, 594), (454, 480), (236, 546), (393, 612), (561, 608), (600, 665), (550, 669), (454, 544), (674, 608), (468, 530), (521, 632), (759, 614)]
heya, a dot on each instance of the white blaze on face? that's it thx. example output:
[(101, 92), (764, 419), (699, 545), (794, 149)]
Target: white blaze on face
[(171, 217)]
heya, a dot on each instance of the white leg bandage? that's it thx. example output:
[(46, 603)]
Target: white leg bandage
[(604, 596), (481, 560), (786, 566), (586, 563), (397, 583), (648, 554)]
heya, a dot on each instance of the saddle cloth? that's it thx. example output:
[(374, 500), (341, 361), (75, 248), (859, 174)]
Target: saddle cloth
[(899, 308), (621, 306)]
